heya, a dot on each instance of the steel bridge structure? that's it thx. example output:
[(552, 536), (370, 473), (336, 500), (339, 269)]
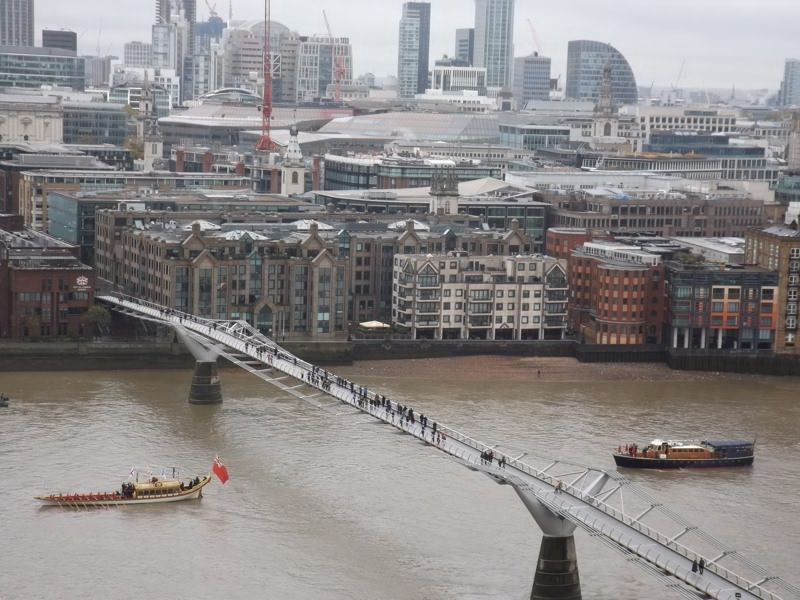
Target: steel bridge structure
[(561, 495)]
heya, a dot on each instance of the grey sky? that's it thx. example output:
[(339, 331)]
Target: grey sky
[(723, 42)]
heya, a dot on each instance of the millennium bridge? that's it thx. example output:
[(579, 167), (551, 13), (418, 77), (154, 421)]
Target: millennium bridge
[(561, 496)]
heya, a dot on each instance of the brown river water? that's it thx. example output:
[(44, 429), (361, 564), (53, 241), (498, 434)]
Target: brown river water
[(328, 504)]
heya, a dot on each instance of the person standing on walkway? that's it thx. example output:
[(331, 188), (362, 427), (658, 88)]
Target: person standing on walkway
[(701, 566), (694, 566)]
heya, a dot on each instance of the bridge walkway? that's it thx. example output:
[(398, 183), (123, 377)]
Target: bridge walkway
[(593, 499)]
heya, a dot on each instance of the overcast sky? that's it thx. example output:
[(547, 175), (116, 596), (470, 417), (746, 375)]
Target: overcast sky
[(723, 42)]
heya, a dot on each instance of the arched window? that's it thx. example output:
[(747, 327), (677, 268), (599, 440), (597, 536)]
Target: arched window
[(295, 177), (607, 130)]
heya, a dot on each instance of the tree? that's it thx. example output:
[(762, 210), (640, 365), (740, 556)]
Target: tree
[(96, 319), (136, 147)]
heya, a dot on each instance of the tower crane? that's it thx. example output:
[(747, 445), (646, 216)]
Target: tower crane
[(338, 62), (265, 141), (536, 42), (212, 9)]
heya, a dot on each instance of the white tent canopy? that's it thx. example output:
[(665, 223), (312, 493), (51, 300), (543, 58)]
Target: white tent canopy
[(374, 325)]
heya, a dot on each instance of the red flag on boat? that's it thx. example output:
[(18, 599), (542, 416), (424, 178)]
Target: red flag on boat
[(220, 470)]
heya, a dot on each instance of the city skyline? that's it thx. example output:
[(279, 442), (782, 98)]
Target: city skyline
[(712, 44)]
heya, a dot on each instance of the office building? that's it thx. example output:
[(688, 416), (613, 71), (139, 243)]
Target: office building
[(669, 214), (586, 60), (397, 172), (60, 38), (777, 249), (458, 79), (414, 49), (138, 54), (167, 10), (494, 41), (44, 288), (16, 23), (531, 78), (97, 70), (95, 123), (465, 45), (715, 307), (317, 59), (789, 94), (616, 294), (34, 67)]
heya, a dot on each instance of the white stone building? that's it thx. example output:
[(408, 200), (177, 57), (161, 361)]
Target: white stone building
[(456, 296), (29, 118)]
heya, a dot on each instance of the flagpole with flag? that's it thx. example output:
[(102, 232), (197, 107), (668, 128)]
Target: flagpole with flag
[(219, 469)]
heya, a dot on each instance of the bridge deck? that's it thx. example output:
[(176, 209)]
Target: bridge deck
[(580, 499)]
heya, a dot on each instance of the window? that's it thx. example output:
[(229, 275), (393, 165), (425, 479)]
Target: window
[(511, 293), (498, 294), (733, 307), (510, 306), (498, 306)]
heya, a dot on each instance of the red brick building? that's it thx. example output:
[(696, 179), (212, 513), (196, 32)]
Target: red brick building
[(561, 241), (44, 288), (616, 294)]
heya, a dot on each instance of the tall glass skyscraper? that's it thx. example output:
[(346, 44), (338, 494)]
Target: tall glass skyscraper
[(586, 60), (414, 48), (789, 94), (16, 23), (494, 40)]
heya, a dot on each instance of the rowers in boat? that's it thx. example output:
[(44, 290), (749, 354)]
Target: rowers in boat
[(668, 454), (151, 491)]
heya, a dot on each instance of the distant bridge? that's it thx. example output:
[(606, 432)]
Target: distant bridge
[(560, 495)]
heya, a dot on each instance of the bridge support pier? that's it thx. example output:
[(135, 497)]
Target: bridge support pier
[(556, 575), (206, 388), (557, 570)]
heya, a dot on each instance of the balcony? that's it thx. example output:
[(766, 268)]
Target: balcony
[(480, 322), (427, 323)]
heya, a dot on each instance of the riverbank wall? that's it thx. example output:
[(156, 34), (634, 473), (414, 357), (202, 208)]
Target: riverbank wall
[(112, 354)]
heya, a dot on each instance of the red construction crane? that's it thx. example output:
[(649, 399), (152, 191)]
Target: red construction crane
[(338, 62), (265, 141)]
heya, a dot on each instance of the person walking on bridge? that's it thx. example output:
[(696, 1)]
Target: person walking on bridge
[(701, 566)]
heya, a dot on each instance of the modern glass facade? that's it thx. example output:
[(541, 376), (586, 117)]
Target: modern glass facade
[(533, 137), (465, 45), (16, 23), (585, 62), (35, 67), (494, 40), (95, 123), (789, 94), (531, 78), (414, 49)]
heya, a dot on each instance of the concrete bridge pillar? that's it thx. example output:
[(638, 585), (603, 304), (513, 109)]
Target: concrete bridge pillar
[(556, 575), (206, 388)]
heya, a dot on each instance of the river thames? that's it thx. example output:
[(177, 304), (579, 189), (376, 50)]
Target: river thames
[(328, 504)]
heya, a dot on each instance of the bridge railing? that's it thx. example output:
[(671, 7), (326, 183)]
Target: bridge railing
[(298, 367)]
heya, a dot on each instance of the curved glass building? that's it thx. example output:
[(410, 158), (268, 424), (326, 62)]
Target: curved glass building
[(585, 62)]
